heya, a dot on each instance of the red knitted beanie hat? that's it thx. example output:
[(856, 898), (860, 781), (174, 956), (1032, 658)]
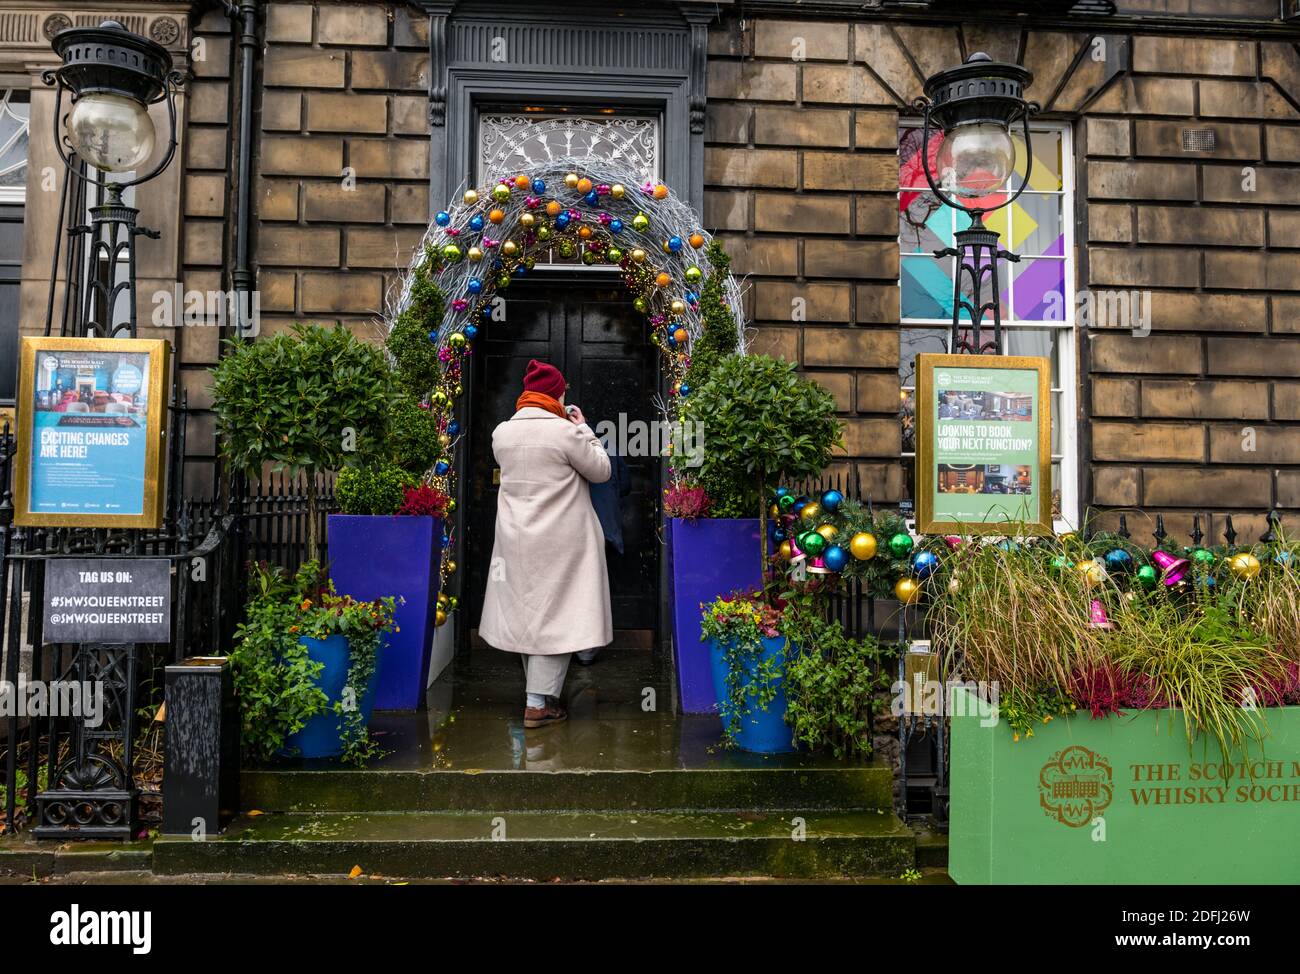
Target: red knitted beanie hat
[(544, 378)]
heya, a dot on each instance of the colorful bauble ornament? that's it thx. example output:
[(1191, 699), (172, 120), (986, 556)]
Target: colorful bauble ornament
[(618, 191), (496, 216), (811, 512), (835, 558), (475, 254), (924, 564), (1147, 576), (638, 256), (501, 192), (827, 531), (784, 501), (522, 181), (450, 566), (640, 223), (1244, 565), (1118, 560), (527, 221), (662, 279), (1092, 572), (543, 233), (863, 546), (470, 197), (660, 192), (784, 551), (694, 275), (451, 254), (1060, 563), (680, 336), (456, 340), (641, 304), (442, 218), (476, 222), (571, 180), (697, 241), (439, 618), (831, 501), (900, 544), (584, 185), (812, 542), (441, 467), (907, 590), (615, 255), (1203, 556), (510, 248)]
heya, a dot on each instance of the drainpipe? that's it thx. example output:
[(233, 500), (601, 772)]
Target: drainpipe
[(242, 276)]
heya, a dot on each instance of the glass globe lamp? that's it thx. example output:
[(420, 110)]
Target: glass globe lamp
[(111, 132)]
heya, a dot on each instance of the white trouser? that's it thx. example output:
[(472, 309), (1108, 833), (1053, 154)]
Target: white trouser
[(544, 675)]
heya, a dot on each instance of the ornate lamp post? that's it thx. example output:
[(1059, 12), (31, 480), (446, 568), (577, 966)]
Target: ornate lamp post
[(112, 76), (975, 106)]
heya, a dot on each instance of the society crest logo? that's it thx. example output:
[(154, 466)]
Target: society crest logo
[(1074, 787)]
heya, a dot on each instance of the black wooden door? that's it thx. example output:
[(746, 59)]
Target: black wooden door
[(590, 332), (11, 272)]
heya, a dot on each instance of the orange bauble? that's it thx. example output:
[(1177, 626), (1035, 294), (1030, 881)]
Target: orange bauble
[(522, 182), (496, 216), (680, 335), (661, 192), (663, 280), (584, 233), (553, 208), (697, 241), (584, 186)]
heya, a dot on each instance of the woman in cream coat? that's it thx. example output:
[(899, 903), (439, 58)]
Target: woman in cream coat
[(547, 592)]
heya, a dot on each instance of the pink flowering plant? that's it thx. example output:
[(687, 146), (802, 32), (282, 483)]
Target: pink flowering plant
[(739, 622)]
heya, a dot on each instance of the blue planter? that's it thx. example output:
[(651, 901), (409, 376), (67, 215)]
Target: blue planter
[(709, 557), (372, 557), (322, 736), (761, 730)]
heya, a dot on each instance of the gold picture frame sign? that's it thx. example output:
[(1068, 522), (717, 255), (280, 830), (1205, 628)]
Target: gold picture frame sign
[(1029, 522), (155, 381)]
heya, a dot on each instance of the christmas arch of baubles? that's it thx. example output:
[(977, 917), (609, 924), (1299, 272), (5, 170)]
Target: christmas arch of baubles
[(601, 212)]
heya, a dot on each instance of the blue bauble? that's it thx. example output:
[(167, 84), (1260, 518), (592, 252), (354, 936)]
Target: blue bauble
[(497, 264), (521, 270), (1118, 560), (674, 244), (442, 218), (692, 297), (797, 510), (454, 426), (672, 342), (445, 540), (433, 336), (562, 220), (1283, 558), (831, 501), (778, 535), (475, 286), (616, 225), (487, 314), (835, 558), (539, 186), (685, 389), (592, 198), (1008, 545), (476, 223), (924, 564), (471, 331), (441, 467), (782, 491)]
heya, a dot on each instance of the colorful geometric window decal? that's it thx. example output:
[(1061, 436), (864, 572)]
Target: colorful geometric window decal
[(1033, 227)]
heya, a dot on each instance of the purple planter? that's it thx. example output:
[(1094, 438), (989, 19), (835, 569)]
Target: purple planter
[(373, 556), (709, 557)]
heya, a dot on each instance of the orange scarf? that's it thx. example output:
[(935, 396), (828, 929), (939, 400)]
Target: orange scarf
[(542, 401)]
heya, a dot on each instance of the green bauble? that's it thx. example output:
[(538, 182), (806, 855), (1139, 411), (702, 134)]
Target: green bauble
[(503, 281), (543, 233), (785, 502), (614, 254), (900, 545), (812, 543), (1204, 556), (589, 258), (1147, 576), (451, 254), (641, 304), (694, 274), (501, 192), (640, 223), (566, 248), (1060, 563)]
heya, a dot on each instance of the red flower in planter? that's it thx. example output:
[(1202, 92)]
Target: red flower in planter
[(424, 501)]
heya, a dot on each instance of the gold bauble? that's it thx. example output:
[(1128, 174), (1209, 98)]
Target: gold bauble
[(785, 552), (440, 618), (571, 180), (1244, 565), (678, 306), (451, 504), (617, 191), (444, 440), (907, 590), (510, 248), (1092, 571), (827, 531), (811, 511), (527, 220), (863, 546), (774, 512), (442, 600), (475, 255), (451, 567), (638, 256), (470, 197)]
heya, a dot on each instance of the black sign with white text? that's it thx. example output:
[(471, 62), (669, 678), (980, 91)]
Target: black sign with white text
[(107, 600)]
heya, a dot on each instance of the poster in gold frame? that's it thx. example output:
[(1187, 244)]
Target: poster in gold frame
[(91, 431), (983, 444)]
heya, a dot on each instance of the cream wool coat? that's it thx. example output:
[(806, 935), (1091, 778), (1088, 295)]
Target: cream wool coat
[(547, 590)]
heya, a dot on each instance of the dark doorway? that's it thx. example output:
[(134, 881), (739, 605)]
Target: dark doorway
[(590, 331), (11, 272)]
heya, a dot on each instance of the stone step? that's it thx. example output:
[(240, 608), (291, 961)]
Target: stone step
[(552, 845), (24, 855), (791, 783)]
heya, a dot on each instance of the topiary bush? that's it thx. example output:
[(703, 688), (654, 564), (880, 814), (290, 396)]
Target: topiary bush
[(375, 488), (414, 353), (412, 434), (763, 423)]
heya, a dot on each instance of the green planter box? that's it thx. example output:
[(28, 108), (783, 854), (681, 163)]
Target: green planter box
[(1120, 800)]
